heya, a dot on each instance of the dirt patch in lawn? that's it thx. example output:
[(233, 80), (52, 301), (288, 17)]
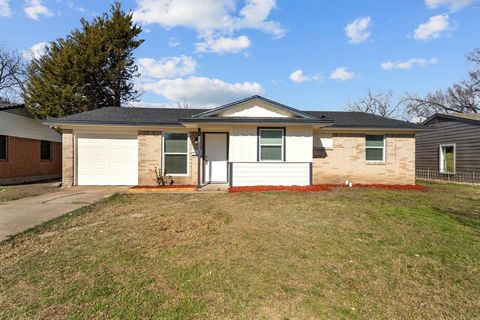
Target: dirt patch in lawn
[(345, 253), (10, 193)]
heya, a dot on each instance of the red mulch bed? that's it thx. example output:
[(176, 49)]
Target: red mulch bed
[(324, 187)]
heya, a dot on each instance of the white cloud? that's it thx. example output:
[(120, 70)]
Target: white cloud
[(342, 74), (34, 9), (453, 5), (357, 31), (209, 16), (173, 42), (5, 8), (408, 64), (36, 51), (432, 29), (167, 67), (223, 45), (298, 76), (202, 91)]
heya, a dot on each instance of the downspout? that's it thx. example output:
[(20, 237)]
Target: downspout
[(199, 156)]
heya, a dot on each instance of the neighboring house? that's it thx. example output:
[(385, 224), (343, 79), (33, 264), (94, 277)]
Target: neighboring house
[(254, 141), (29, 150), (450, 150)]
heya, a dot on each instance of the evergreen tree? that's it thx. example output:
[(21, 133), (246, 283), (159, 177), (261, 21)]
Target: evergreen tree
[(91, 68)]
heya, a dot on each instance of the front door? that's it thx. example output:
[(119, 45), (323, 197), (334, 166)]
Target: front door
[(215, 160)]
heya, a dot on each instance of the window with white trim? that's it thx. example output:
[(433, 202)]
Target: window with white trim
[(375, 148), (271, 144), (175, 150), (447, 158), (3, 147)]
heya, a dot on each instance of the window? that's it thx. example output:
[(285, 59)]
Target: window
[(45, 150), (324, 140), (175, 153), (447, 158), (271, 144), (3, 147), (375, 148)]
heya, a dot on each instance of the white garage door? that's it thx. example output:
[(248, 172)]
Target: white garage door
[(107, 160)]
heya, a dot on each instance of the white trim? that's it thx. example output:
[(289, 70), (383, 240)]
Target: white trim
[(440, 160), (176, 153), (384, 149), (260, 145)]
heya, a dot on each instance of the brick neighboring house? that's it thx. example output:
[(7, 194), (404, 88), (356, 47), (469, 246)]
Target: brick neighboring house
[(254, 141), (29, 150)]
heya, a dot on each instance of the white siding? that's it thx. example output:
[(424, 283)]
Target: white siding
[(270, 174), (23, 127), (243, 144), (299, 144)]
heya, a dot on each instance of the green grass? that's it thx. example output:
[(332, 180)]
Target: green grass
[(348, 253)]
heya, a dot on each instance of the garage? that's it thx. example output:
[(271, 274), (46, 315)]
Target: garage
[(107, 160)]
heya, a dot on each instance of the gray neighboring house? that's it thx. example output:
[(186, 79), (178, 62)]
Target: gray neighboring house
[(451, 149)]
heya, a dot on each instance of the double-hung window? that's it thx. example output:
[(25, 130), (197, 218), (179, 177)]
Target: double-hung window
[(3, 147), (271, 144), (447, 158), (45, 150), (375, 148), (175, 147)]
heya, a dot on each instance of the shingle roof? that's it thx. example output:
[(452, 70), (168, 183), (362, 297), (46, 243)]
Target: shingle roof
[(172, 116), (346, 119), (456, 115), (129, 116)]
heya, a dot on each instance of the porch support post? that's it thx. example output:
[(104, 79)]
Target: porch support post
[(199, 156)]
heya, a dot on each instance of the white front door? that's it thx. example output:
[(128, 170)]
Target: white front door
[(215, 161)]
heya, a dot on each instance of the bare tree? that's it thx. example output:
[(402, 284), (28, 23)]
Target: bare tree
[(463, 96), (380, 104), (460, 97), (184, 104), (13, 73)]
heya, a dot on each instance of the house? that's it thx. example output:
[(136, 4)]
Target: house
[(29, 150), (254, 141), (450, 150)]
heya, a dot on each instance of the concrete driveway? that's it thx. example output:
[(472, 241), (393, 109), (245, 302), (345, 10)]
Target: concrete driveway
[(19, 215)]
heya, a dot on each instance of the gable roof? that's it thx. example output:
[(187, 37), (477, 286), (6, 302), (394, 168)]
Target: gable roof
[(469, 117), (175, 116), (214, 111)]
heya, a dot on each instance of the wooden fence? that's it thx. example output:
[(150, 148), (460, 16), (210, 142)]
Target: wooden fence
[(464, 177)]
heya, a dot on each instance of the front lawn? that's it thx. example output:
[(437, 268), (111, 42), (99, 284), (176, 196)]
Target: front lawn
[(346, 253)]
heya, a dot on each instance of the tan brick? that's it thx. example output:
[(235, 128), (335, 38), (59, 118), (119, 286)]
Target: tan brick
[(68, 163), (150, 156), (346, 161)]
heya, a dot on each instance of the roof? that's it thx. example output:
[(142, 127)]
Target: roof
[(177, 116), (471, 117), (173, 116)]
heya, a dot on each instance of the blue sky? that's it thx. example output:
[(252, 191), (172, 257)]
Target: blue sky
[(310, 54)]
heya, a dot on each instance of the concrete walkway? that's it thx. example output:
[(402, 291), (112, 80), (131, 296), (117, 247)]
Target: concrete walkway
[(19, 215)]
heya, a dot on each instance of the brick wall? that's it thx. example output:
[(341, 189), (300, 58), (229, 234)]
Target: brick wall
[(150, 156), (346, 161), (24, 162)]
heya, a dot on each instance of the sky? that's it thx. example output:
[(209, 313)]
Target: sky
[(309, 54)]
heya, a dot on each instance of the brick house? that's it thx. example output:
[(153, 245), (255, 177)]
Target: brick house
[(254, 141), (29, 150)]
